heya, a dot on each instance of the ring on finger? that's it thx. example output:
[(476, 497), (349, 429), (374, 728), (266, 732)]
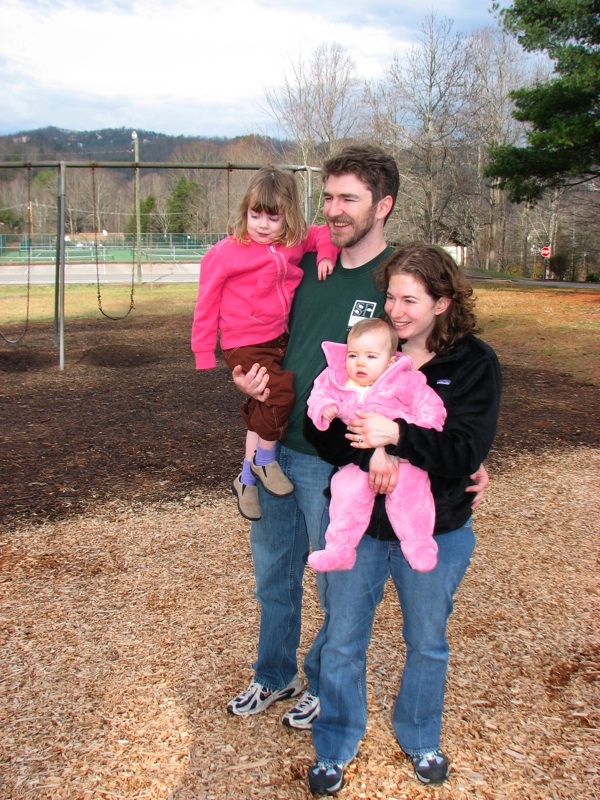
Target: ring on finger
[(360, 439)]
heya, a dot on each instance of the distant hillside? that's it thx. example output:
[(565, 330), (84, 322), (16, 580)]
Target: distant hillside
[(111, 144)]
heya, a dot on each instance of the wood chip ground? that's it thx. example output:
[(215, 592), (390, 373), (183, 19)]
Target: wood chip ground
[(125, 632), (127, 619)]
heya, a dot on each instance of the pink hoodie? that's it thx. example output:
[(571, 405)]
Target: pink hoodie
[(246, 291)]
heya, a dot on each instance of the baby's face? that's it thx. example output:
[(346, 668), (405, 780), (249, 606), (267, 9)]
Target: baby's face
[(368, 357)]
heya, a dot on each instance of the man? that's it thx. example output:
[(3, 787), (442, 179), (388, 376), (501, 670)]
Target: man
[(361, 185)]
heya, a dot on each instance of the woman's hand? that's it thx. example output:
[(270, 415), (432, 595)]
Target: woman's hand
[(372, 430), (383, 471), (254, 382), (481, 480)]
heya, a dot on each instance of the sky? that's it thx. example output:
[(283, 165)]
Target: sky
[(188, 67)]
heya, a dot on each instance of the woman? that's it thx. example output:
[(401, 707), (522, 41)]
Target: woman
[(430, 304)]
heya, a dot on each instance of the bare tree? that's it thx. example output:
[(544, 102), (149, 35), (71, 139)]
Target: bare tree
[(319, 105), (418, 113), (498, 66)]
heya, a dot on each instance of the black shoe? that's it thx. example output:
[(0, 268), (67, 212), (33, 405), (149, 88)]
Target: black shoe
[(431, 767), (324, 778)]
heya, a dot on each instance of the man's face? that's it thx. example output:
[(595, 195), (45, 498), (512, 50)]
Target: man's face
[(349, 209)]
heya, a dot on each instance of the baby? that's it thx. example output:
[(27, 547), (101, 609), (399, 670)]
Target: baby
[(369, 375)]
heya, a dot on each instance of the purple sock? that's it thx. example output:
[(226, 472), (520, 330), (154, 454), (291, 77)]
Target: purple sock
[(247, 478), (264, 456)]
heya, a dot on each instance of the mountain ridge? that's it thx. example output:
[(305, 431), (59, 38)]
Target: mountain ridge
[(105, 144)]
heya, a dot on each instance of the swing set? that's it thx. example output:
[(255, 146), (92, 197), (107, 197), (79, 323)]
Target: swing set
[(59, 282)]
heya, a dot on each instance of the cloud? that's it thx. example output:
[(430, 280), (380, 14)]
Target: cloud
[(189, 66)]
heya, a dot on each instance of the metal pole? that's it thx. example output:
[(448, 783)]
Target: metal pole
[(59, 283), (309, 200), (136, 192)]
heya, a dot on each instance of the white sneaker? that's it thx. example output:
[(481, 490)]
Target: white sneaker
[(257, 698), (301, 716)]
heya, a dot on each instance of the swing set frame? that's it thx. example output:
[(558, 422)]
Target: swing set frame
[(63, 166)]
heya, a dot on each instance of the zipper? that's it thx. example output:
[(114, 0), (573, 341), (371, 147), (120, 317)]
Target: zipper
[(281, 273)]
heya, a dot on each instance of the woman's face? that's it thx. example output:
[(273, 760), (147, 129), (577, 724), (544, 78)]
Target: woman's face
[(411, 308)]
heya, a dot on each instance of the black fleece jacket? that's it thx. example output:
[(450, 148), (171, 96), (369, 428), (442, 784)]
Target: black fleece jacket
[(469, 381)]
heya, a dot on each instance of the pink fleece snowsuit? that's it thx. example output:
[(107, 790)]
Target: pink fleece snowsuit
[(399, 393)]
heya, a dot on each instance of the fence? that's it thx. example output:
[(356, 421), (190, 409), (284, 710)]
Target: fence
[(105, 247)]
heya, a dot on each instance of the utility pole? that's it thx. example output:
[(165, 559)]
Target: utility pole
[(136, 193)]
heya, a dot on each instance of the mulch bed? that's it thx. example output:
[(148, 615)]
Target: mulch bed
[(126, 611)]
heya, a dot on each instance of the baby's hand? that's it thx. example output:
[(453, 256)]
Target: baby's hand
[(331, 413), (325, 268)]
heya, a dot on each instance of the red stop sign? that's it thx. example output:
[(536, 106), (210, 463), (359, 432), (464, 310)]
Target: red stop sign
[(545, 251)]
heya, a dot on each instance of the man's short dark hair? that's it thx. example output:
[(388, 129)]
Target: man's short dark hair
[(374, 167)]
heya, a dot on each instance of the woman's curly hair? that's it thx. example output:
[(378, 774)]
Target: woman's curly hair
[(439, 274)]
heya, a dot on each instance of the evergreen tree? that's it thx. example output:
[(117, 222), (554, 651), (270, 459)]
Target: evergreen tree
[(147, 210), (563, 139), (181, 205)]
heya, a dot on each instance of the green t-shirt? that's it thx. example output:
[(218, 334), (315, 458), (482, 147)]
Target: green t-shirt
[(324, 311)]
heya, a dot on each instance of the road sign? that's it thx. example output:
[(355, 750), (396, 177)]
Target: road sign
[(545, 251)]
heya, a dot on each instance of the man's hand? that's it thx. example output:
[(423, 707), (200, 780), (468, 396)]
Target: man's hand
[(481, 480), (383, 471), (254, 382)]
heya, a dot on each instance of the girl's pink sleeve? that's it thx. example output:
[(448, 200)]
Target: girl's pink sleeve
[(206, 314), (318, 400), (318, 240)]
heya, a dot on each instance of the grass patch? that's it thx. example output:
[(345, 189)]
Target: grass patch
[(81, 301), (558, 326)]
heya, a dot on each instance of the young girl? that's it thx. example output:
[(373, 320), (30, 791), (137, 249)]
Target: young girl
[(368, 374), (247, 284)]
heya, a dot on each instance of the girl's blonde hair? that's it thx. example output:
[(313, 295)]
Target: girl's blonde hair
[(272, 191)]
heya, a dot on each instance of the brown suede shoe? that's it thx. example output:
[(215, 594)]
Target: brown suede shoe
[(273, 479), (247, 499)]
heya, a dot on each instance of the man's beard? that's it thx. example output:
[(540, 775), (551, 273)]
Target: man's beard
[(356, 234)]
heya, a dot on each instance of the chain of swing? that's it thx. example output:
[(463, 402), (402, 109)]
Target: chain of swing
[(97, 260), (19, 338)]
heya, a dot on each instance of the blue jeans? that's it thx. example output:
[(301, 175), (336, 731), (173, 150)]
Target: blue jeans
[(426, 600), (280, 546)]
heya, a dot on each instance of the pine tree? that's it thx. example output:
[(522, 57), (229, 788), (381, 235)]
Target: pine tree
[(563, 113)]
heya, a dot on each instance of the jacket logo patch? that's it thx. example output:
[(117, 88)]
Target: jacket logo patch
[(362, 309), (444, 382)]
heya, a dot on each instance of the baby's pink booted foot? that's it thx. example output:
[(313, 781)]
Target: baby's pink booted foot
[(332, 558), (423, 559)]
